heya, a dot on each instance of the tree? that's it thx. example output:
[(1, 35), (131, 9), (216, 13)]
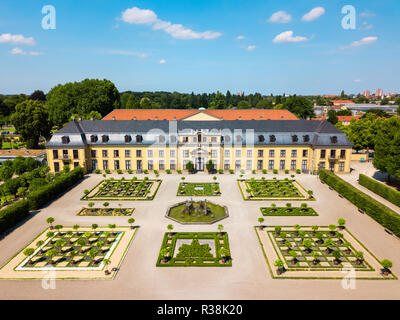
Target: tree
[(131, 221), (220, 228), (386, 264), (261, 220), (189, 166), (31, 120), (50, 221), (210, 166), (6, 173), (81, 98), (106, 263), (218, 102), (300, 106), (243, 104), (170, 227), (332, 117), (224, 253), (387, 152), (361, 132), (145, 103), (28, 252), (38, 95)]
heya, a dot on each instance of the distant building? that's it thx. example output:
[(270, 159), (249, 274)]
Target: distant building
[(341, 102), (379, 93), (345, 120), (367, 93), (11, 154)]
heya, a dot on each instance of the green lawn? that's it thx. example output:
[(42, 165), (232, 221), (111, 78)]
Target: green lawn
[(198, 189), (286, 211)]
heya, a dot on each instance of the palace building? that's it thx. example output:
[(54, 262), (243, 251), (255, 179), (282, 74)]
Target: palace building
[(234, 144)]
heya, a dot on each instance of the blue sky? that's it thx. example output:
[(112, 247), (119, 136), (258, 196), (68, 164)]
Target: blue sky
[(202, 46)]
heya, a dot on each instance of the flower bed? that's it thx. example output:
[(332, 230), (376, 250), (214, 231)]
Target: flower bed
[(198, 189), (105, 212), (288, 211)]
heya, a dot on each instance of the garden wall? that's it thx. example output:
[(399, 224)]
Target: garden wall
[(379, 188), (376, 210)]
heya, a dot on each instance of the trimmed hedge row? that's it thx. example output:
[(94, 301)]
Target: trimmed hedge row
[(379, 188), (16, 212), (47, 193), (376, 210), (13, 214)]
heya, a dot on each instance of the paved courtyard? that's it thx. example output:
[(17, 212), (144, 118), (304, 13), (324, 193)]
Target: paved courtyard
[(248, 278)]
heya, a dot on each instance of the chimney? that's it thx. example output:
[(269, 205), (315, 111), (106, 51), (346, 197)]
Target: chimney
[(113, 118), (240, 117), (260, 117), (134, 118), (156, 118), (174, 118), (92, 118)]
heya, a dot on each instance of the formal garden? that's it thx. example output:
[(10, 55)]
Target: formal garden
[(76, 249), (198, 189), (123, 189), (274, 211), (105, 211), (318, 252), (274, 189), (195, 249), (197, 212)]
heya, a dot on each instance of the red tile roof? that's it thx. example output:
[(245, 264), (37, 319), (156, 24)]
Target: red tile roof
[(177, 114), (347, 118), (342, 102)]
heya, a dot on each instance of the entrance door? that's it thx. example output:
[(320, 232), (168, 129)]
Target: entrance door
[(94, 165), (139, 165), (200, 164)]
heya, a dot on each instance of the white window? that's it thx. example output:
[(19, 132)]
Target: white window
[(127, 153), (172, 153), (127, 164), (186, 153), (249, 164), (272, 153), (213, 139), (150, 153), (227, 153), (172, 165), (161, 153), (226, 165), (213, 153), (150, 165), (161, 165), (238, 153), (249, 153)]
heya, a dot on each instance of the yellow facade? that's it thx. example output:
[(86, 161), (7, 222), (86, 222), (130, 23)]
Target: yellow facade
[(161, 158)]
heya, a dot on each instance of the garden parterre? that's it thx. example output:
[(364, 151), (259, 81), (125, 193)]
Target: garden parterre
[(198, 189)]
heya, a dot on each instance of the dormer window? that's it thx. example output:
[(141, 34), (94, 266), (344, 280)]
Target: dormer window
[(172, 139), (238, 138), (227, 139), (139, 138), (334, 139), (93, 138), (65, 140), (261, 138), (272, 138), (105, 138), (295, 138), (306, 138), (161, 139), (128, 138)]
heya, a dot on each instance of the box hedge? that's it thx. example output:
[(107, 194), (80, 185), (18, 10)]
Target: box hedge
[(52, 190), (376, 210), (379, 188), (13, 214)]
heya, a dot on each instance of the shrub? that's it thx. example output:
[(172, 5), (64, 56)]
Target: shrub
[(220, 171), (155, 171), (253, 171), (13, 214), (298, 171), (286, 171), (168, 171), (231, 171), (107, 171), (119, 171), (376, 210), (275, 171), (379, 188), (179, 171), (264, 171), (130, 171), (145, 171), (97, 171), (51, 191)]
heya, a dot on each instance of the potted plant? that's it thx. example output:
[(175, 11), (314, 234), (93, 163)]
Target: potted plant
[(50, 221), (337, 254), (164, 253), (28, 252), (293, 254), (131, 221), (288, 245), (315, 255), (278, 230), (332, 227), (106, 263), (273, 206), (260, 220), (307, 244), (341, 223), (280, 265), (314, 229), (386, 264), (297, 228), (220, 229), (224, 253), (360, 257), (170, 227)]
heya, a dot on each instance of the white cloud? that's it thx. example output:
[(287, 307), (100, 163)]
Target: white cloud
[(16, 39), (251, 48), (367, 14), (287, 36), (240, 37), (313, 14), (163, 61), (280, 17), (19, 51), (364, 41), (144, 16), (128, 53), (357, 80)]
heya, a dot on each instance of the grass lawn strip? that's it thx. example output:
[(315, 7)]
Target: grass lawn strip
[(285, 211), (105, 212)]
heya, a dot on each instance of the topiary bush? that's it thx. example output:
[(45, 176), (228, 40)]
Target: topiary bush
[(379, 188), (376, 210)]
